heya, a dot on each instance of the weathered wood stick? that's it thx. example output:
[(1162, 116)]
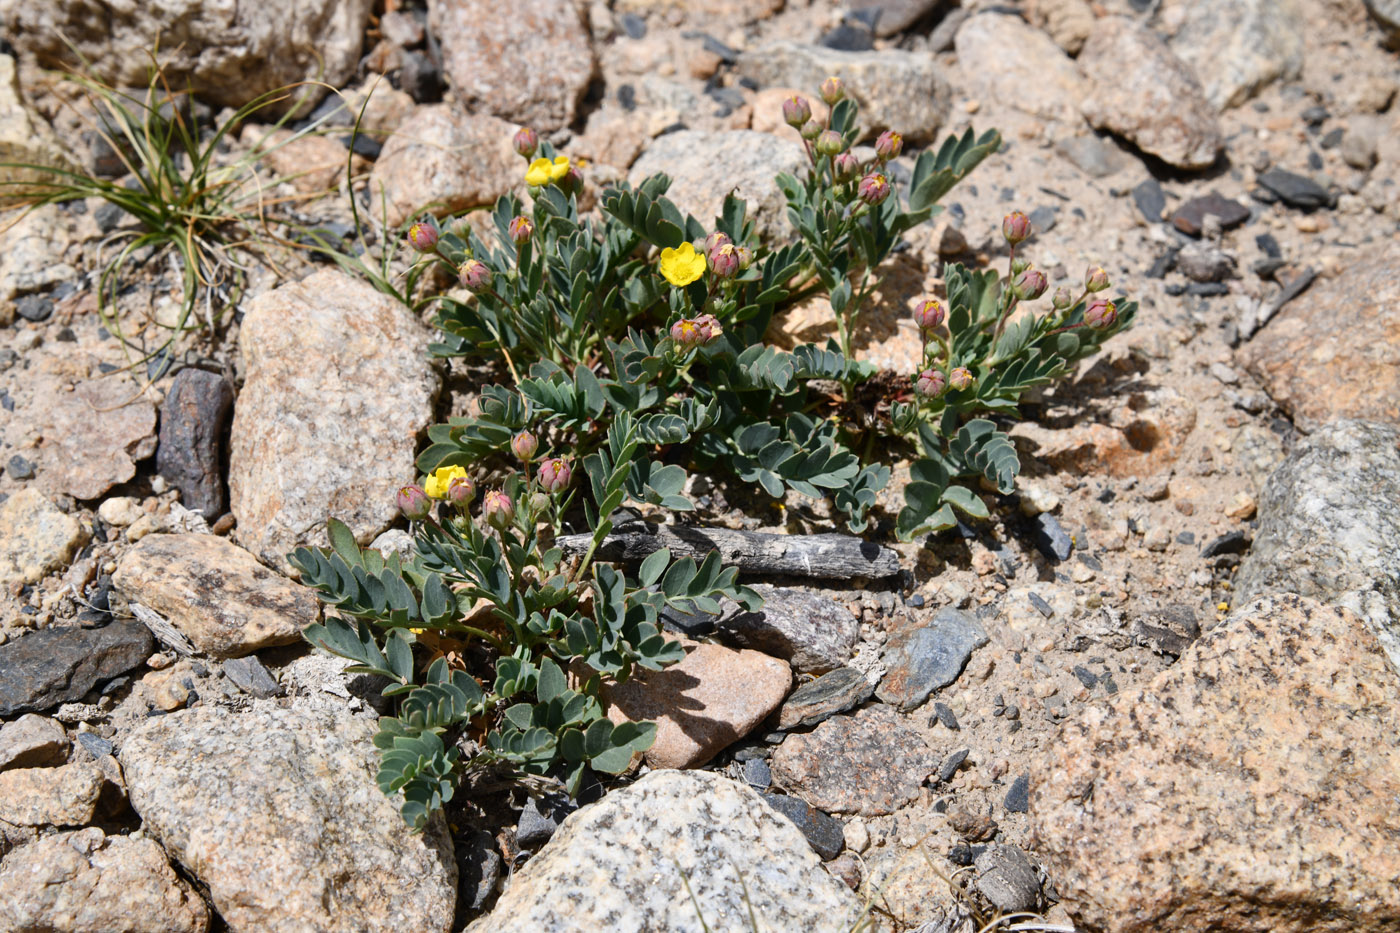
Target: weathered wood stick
[(828, 556)]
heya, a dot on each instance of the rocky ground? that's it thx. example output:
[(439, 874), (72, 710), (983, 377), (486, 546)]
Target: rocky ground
[(1158, 691)]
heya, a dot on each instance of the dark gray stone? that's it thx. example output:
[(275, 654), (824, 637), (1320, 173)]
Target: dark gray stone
[(1018, 798), (1151, 201), (1040, 605), (892, 16), (929, 658), (1086, 677), (249, 675), (193, 424), (1189, 217), (1231, 542), (1169, 631), (1049, 538), (833, 692), (20, 468), (633, 25), (951, 764), (1295, 190), (1043, 219), (478, 869), (758, 774), (540, 818), (1008, 879), (59, 665), (823, 831), (96, 745), (849, 36), (34, 308), (944, 714), (811, 632)]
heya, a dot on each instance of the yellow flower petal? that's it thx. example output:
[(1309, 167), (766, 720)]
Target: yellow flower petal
[(437, 482), (538, 173), (682, 266), (559, 169)]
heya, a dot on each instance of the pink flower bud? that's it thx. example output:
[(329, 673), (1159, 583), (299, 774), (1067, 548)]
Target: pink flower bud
[(1101, 314), (1016, 227), (461, 491), (695, 332), (573, 181), (811, 129), (1095, 279), (555, 474), (745, 257), (873, 189), (526, 141), (847, 166), (930, 383), (724, 261), (498, 510), (475, 275), (1030, 285), (929, 315), (960, 378), (715, 240), (888, 145), (710, 328), (832, 90), (525, 445), (829, 143), (1063, 298), (423, 236), (413, 503), (520, 229), (796, 111)]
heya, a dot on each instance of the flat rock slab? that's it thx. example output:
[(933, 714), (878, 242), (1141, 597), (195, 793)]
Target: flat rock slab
[(61, 664), (929, 658), (338, 388), (217, 594), (871, 763), (32, 741), (818, 700), (94, 436), (36, 537), (1039, 79), (1251, 786), (676, 851), (277, 814), (87, 881), (1351, 367), (63, 796), (1329, 521), (1190, 217), (702, 704), (811, 632)]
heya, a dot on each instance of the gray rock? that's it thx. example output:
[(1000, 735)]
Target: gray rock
[(1329, 518), (1202, 263), (951, 764), (833, 692), (895, 16), (1039, 78), (929, 658), (478, 868), (540, 819), (1169, 631), (94, 744), (61, 664), (1190, 217), (193, 421), (895, 89), (1017, 798), (1095, 157), (667, 851), (1238, 47), (758, 774), (812, 633), (1150, 200), (1386, 13), (276, 813), (707, 166), (87, 881), (32, 741), (825, 833), (1050, 538), (1006, 878), (1295, 190), (249, 675)]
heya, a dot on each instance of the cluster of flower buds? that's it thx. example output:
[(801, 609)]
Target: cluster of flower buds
[(1015, 227), (525, 445), (1030, 285), (526, 142), (796, 112), (555, 475), (832, 90), (888, 146), (1101, 314), (929, 315), (873, 189), (696, 332), (930, 383), (520, 229), (475, 275), (423, 236)]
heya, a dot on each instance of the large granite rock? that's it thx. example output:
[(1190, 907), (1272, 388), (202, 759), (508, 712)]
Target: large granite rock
[(677, 851), (63, 796), (896, 89), (32, 741), (1038, 78), (229, 52), (337, 389), (35, 537), (442, 161), (813, 633), (1329, 521), (1139, 90), (705, 167), (25, 139), (1349, 368), (529, 62), (276, 813), (94, 436), (1251, 786), (224, 601), (60, 664), (1237, 47)]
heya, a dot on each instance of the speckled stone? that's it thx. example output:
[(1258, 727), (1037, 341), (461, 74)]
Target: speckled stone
[(1249, 787), (818, 700), (1039, 78), (623, 864), (89, 882), (1237, 47), (215, 593), (276, 812), (94, 436), (929, 658), (32, 741), (61, 663), (1142, 92), (1329, 523), (870, 763), (811, 632), (35, 537), (337, 389), (63, 796)]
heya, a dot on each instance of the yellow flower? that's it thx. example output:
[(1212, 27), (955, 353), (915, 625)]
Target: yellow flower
[(438, 480), (682, 266), (542, 171)]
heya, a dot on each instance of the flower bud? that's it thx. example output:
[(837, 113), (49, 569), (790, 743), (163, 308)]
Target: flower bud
[(715, 240), (811, 129), (829, 143), (524, 446), (929, 315), (1030, 285), (796, 111), (538, 502), (847, 166), (888, 145), (1063, 298), (1016, 227), (413, 503), (521, 229), (745, 257), (526, 141), (555, 474), (475, 275), (1019, 265), (832, 90), (960, 378), (1095, 280), (724, 261), (930, 383), (461, 491), (695, 332), (498, 510), (709, 326), (1101, 314), (873, 189), (423, 236)]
